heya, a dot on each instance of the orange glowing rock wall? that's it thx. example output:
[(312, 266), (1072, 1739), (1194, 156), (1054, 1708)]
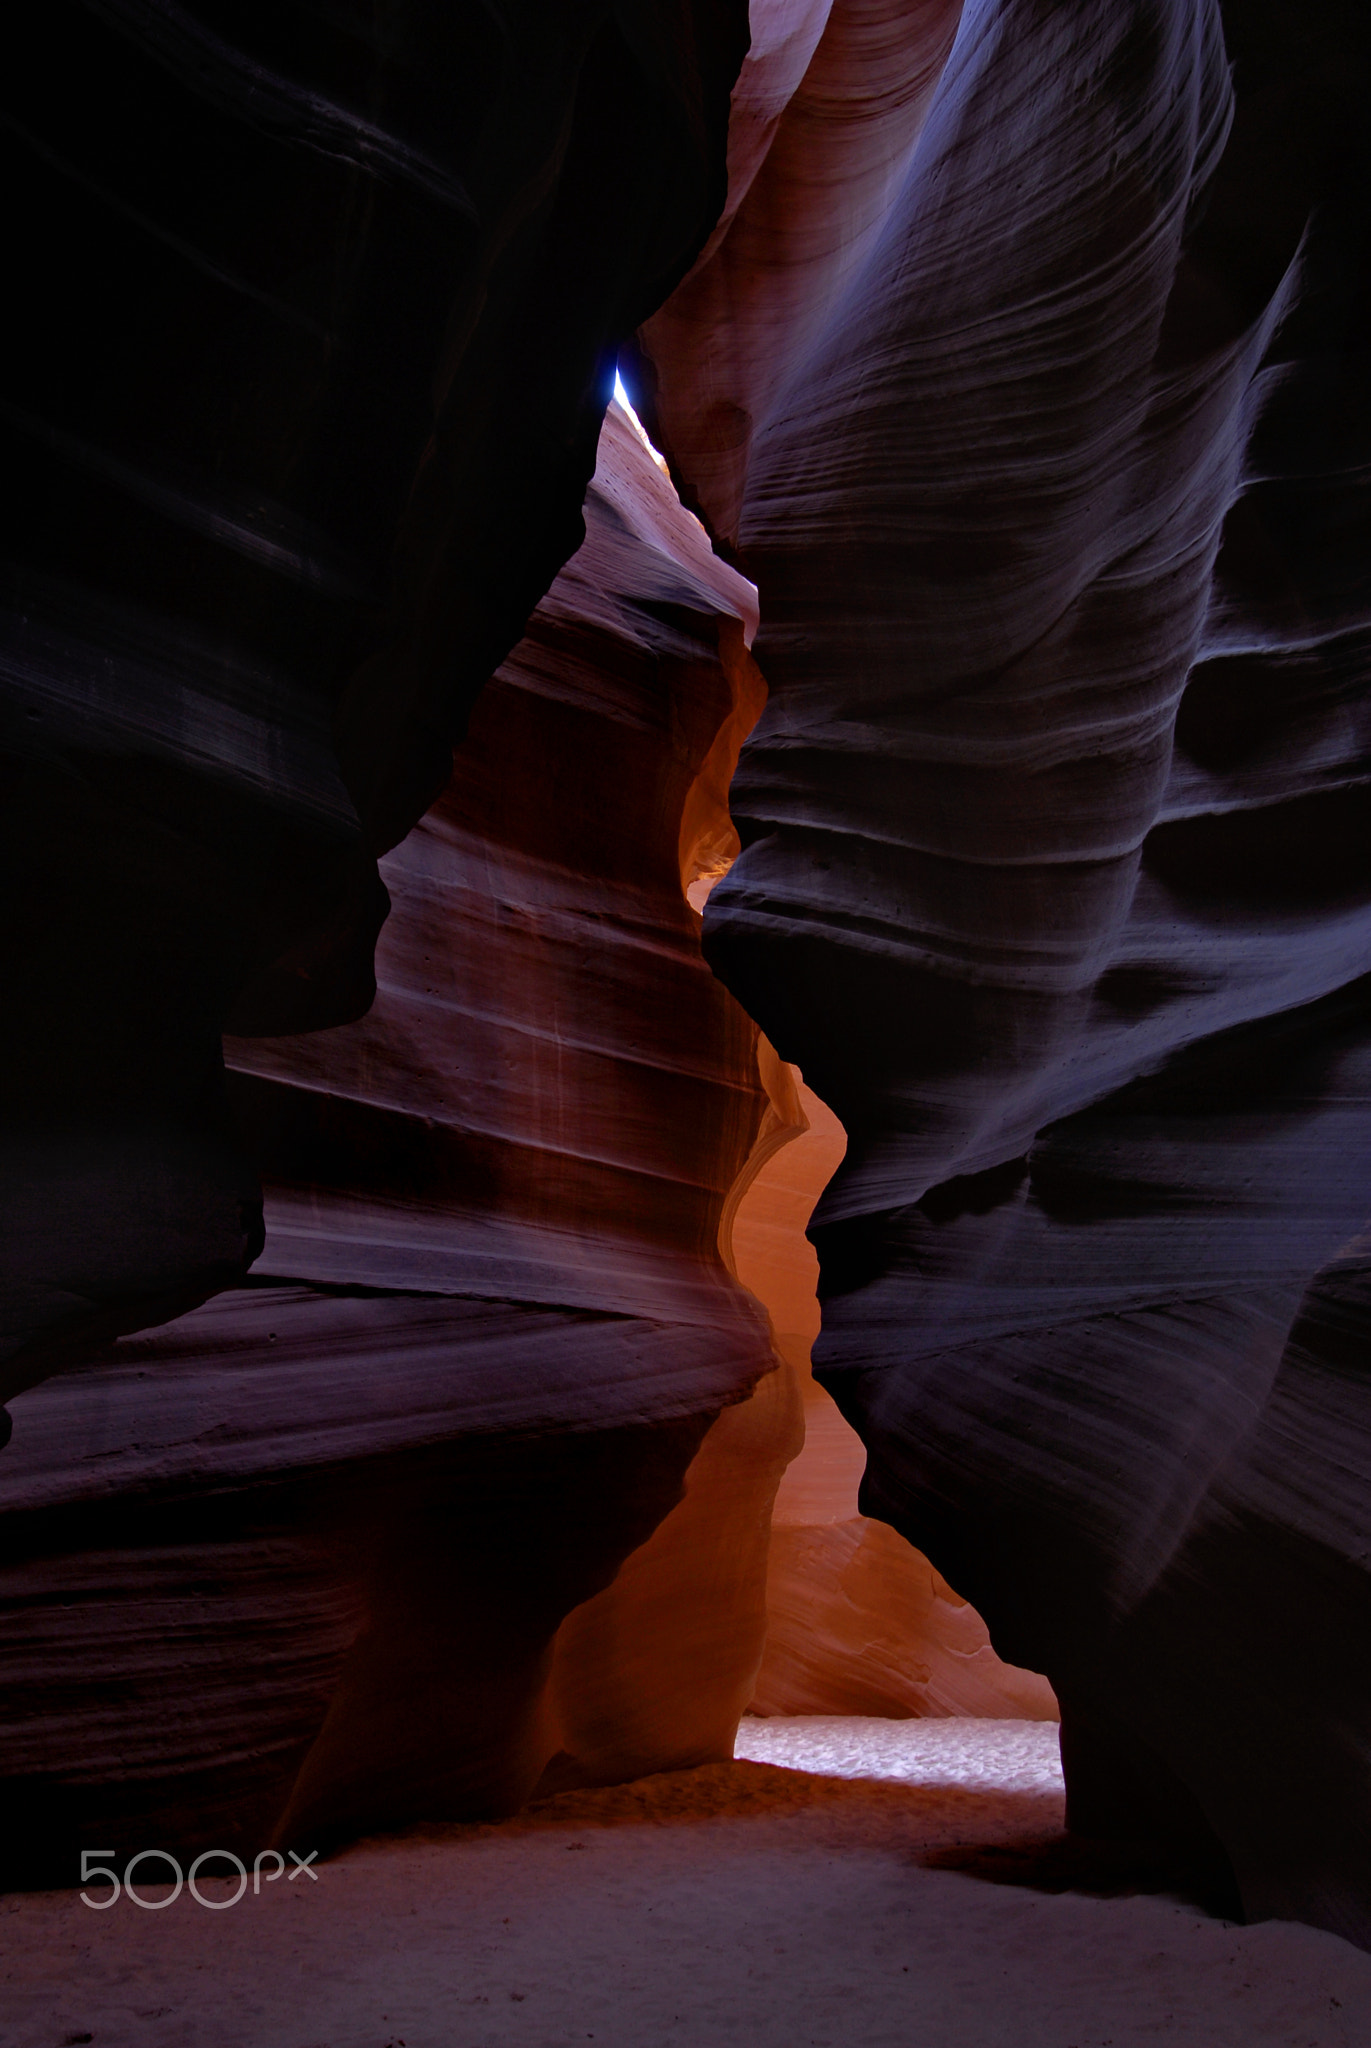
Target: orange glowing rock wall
[(858, 1621), (654, 1672)]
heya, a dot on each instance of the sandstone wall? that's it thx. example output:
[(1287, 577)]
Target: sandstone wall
[(1054, 869), (858, 1621), (297, 1562), (315, 322)]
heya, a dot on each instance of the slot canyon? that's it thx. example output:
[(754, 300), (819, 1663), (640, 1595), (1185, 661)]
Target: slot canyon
[(687, 1045)]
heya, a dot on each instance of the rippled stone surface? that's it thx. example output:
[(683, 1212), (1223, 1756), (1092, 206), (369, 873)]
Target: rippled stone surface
[(316, 320), (1054, 874), (298, 1560), (1025, 373)]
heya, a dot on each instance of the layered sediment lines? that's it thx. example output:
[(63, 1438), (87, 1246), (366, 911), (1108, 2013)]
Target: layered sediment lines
[(316, 320), (296, 1563), (1054, 874)]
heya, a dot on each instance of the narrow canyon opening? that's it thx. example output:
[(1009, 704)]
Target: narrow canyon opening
[(484, 860), (856, 1620)]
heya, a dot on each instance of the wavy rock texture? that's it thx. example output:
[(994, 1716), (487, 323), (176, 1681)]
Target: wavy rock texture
[(1055, 869), (857, 1620), (298, 1561), (826, 112), (319, 318)]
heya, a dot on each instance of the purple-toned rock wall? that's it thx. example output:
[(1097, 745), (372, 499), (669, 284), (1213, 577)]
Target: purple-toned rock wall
[(1018, 353), (314, 320), (1057, 859), (295, 1564)]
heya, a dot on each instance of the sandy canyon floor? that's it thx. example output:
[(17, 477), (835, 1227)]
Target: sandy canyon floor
[(842, 1884)]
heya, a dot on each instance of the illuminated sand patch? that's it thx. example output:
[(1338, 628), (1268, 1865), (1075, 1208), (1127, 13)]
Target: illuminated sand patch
[(742, 1905), (982, 1756)]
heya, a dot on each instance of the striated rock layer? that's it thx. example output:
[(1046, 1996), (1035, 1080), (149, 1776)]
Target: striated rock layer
[(296, 1563), (315, 319), (1055, 854)]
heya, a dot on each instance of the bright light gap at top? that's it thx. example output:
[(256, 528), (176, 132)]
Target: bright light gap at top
[(622, 399)]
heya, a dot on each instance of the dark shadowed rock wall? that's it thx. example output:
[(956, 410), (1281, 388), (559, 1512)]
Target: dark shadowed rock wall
[(296, 1563), (1056, 863), (313, 318)]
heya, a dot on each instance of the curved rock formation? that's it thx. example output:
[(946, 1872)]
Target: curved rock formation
[(1025, 372), (827, 110), (857, 1620), (297, 1562), (319, 319), (654, 1673), (1054, 870)]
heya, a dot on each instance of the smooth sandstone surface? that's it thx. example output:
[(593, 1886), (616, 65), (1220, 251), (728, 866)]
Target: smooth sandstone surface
[(320, 317), (825, 115), (297, 1562), (1024, 371), (857, 1620), (1054, 855)]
